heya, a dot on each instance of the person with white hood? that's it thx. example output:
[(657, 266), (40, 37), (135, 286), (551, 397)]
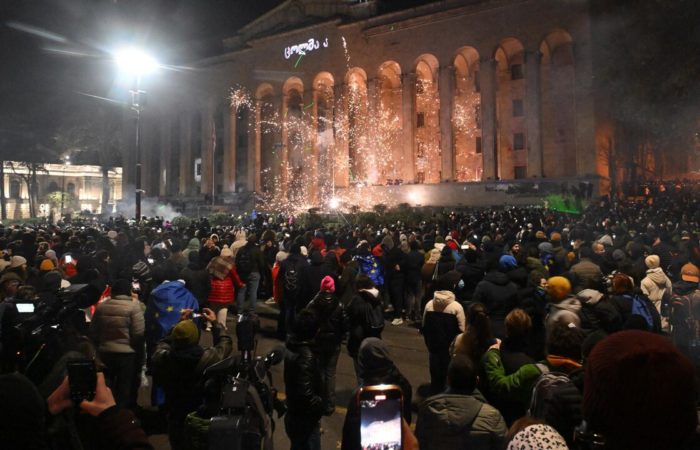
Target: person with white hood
[(656, 285), (241, 239), (443, 320)]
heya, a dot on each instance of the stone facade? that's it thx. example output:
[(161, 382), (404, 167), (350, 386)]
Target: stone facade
[(82, 183), (328, 95)]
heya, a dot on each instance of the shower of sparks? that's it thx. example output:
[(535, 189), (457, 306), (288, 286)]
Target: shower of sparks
[(348, 151)]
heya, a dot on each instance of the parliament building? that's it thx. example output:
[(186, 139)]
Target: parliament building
[(452, 102)]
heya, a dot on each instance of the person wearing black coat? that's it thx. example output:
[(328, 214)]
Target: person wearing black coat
[(303, 385), (365, 312), (376, 367), (316, 271), (333, 325), (196, 279), (292, 272), (621, 299), (472, 273), (499, 295)]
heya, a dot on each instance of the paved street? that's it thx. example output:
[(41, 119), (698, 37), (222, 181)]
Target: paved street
[(407, 349)]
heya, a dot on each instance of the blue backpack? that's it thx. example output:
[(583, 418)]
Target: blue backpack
[(369, 266), (640, 308)]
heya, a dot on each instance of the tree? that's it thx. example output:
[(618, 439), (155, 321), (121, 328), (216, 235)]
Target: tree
[(93, 134)]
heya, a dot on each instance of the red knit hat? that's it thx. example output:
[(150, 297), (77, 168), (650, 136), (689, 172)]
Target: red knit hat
[(327, 284), (639, 392)]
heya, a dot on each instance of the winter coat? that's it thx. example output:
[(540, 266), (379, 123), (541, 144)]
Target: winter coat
[(178, 370), (472, 274), (459, 422), (298, 263), (597, 313), (197, 281), (240, 241), (303, 385), (223, 291), (656, 286), (118, 325), (312, 276), (362, 305), (516, 387), (586, 275), (500, 296), (444, 302), (332, 319), (567, 310)]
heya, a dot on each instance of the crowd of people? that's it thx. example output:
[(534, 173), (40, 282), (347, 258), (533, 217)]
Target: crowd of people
[(543, 329)]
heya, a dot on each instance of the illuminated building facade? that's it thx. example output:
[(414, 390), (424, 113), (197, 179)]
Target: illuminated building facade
[(321, 98)]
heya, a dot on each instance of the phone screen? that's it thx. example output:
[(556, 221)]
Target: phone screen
[(68, 259), (380, 418), (25, 308), (82, 379)]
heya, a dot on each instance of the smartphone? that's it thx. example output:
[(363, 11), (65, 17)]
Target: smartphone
[(68, 259), (136, 287), (380, 417), (25, 308), (82, 379)]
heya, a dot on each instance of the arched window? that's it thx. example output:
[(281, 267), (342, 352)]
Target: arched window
[(386, 127), (427, 154), (466, 123)]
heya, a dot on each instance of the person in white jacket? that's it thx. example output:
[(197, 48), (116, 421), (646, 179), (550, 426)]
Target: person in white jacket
[(656, 285), (443, 320)]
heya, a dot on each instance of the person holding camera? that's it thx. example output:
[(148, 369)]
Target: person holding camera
[(178, 365)]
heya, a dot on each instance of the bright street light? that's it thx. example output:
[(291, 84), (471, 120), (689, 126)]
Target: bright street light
[(334, 203), (134, 61)]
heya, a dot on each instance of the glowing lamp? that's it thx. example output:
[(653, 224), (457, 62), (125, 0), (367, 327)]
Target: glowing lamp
[(134, 61)]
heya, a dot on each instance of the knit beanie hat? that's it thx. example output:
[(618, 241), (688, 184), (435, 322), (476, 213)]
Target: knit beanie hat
[(555, 237), (46, 265), (17, 261), (507, 262), (537, 437), (545, 247), (185, 332), (652, 261), (639, 392), (226, 251), (558, 288), (327, 284), (618, 255)]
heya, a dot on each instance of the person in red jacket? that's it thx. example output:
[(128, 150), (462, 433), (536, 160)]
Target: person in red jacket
[(224, 280)]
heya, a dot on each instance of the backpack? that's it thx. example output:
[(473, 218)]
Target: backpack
[(244, 261), (374, 319), (291, 278), (639, 308), (557, 400), (369, 266)]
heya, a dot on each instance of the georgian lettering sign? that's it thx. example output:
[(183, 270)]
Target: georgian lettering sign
[(304, 48)]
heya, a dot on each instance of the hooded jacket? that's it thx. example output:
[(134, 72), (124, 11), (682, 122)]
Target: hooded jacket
[(444, 302), (567, 309), (303, 385), (240, 241), (362, 305), (332, 318), (597, 313), (499, 295), (656, 285), (460, 422)]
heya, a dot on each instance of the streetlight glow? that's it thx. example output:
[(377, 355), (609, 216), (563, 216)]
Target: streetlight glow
[(135, 61), (334, 203)]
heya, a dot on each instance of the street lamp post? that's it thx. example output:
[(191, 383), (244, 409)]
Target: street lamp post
[(66, 162), (136, 63)]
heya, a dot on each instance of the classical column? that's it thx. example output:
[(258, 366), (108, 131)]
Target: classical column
[(256, 153), (186, 163), (533, 113), (165, 173), (229, 149), (284, 149), (313, 194), (340, 163), (446, 86), (207, 151), (369, 135), (408, 86), (487, 83), (585, 117)]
